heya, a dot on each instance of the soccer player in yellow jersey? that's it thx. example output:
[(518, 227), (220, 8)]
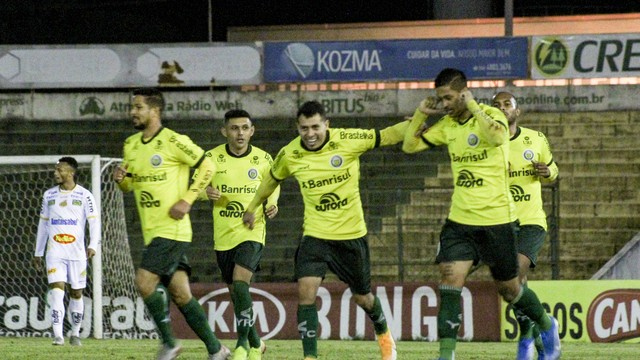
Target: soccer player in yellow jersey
[(240, 167), (325, 162), (482, 221), (156, 167), (531, 163)]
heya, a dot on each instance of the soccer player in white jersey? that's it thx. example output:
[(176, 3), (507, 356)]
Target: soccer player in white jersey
[(482, 220), (66, 208), (531, 163)]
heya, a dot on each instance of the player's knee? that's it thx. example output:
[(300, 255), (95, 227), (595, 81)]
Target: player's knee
[(76, 294)]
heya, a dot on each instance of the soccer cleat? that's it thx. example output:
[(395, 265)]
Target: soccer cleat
[(58, 341), (525, 349), (387, 346), (551, 341), (256, 353), (75, 341), (239, 353), (168, 353), (223, 354)]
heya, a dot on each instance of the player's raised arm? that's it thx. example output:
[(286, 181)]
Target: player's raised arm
[(413, 141), (494, 131)]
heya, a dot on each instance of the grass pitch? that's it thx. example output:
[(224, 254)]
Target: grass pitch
[(41, 348)]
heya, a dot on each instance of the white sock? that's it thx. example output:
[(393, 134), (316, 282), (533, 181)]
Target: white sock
[(76, 308), (56, 302)]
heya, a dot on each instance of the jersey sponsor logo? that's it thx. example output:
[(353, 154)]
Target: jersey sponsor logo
[(51, 202), (336, 161), (90, 203), (466, 158), (528, 155), (521, 172), (221, 159), (252, 173), (63, 203), (527, 140), (335, 179), (147, 200), (359, 135), (64, 238), (255, 160), (517, 192), (76, 203), (614, 316), (473, 140), (64, 222), (52, 271), (234, 209), (150, 178), (237, 189), (466, 179), (184, 148), (156, 160), (330, 201)]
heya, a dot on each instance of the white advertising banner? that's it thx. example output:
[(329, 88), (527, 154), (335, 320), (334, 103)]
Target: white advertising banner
[(131, 65), (275, 104), (585, 56)]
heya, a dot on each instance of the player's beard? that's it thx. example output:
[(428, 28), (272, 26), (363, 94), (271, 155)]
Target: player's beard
[(139, 126)]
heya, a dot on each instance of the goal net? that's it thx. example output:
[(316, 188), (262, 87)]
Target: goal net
[(113, 308)]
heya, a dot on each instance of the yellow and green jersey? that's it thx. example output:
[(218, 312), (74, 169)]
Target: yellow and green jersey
[(237, 178), (480, 170), (526, 146), (160, 174), (329, 179)]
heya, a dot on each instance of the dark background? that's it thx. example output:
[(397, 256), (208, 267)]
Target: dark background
[(26, 22)]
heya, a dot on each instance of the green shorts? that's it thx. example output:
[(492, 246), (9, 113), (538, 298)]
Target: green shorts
[(348, 259), (164, 257), (247, 254), (494, 245), (530, 241)]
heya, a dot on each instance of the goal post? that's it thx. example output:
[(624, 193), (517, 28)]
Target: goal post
[(113, 306)]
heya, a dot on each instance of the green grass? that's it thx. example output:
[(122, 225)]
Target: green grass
[(41, 348)]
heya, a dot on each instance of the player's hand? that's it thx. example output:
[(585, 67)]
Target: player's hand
[(90, 253), (431, 106), (541, 169), (248, 219), (179, 209), (37, 262), (271, 211), (466, 95), (213, 194), (421, 130), (119, 173)]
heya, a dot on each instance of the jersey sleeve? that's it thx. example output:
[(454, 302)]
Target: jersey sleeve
[(547, 158), (186, 150), (393, 134), (279, 168), (41, 237), (273, 198), (92, 214)]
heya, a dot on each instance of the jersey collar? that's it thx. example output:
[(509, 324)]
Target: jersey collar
[(226, 147), (518, 132), (326, 140), (151, 138)]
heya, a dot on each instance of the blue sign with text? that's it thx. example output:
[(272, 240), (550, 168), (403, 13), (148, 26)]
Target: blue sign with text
[(384, 60)]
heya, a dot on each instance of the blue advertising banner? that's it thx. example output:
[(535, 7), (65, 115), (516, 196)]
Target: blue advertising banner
[(384, 60)]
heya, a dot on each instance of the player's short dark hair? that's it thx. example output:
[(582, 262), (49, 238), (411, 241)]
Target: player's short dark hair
[(452, 77), (236, 113), (310, 108), (152, 96), (69, 160)]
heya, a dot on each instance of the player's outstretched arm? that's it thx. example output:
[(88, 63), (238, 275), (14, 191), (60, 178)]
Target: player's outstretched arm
[(412, 141), (268, 185)]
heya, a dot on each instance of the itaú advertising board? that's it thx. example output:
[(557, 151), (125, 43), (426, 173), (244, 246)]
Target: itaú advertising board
[(588, 310), (411, 310)]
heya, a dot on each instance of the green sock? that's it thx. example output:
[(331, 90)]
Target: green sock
[(254, 338), (529, 304), (308, 328), (537, 340), (525, 324), (197, 321), (159, 310), (449, 320), (377, 316), (243, 308)]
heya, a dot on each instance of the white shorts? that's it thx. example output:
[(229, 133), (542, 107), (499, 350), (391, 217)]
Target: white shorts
[(72, 272)]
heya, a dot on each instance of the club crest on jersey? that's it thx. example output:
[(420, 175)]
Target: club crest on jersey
[(473, 140), (528, 155), (336, 161), (253, 173), (156, 160)]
